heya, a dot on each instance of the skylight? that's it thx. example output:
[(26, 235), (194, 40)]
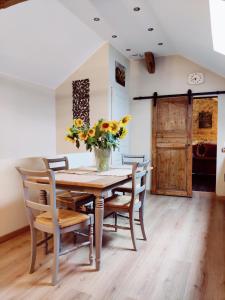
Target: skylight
[(217, 12)]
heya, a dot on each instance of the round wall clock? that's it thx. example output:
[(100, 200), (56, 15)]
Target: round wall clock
[(195, 78)]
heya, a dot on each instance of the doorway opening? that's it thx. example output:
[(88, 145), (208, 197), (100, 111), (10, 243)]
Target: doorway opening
[(204, 144)]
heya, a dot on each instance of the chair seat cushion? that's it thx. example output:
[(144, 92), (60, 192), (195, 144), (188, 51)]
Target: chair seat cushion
[(65, 218), (119, 201)]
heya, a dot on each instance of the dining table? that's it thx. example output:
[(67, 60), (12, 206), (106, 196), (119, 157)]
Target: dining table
[(97, 183)]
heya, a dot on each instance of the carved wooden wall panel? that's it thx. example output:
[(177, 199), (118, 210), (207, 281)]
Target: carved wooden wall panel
[(81, 90)]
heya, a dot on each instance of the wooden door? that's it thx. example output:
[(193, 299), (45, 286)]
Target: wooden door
[(172, 147)]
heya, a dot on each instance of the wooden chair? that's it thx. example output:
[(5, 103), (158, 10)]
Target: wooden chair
[(69, 199), (130, 159), (129, 203), (51, 220)]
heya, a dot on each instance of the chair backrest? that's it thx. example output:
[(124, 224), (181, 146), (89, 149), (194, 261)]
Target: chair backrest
[(139, 174), (30, 183), (129, 159), (56, 164)]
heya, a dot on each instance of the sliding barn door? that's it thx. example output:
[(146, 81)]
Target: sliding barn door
[(172, 147)]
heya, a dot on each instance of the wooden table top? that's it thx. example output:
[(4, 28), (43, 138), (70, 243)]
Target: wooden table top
[(90, 179)]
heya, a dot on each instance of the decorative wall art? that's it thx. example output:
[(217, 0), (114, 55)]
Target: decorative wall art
[(81, 90), (120, 73), (205, 119)]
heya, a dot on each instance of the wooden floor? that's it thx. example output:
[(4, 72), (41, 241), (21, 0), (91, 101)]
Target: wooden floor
[(184, 258)]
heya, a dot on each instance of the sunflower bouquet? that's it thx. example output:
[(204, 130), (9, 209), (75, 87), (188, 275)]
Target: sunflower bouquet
[(103, 135)]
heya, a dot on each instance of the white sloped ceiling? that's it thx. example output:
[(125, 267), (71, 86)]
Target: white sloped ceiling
[(183, 26), (42, 42)]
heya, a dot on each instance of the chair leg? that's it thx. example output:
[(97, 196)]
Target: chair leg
[(115, 216), (91, 257), (141, 219), (33, 249), (74, 237), (55, 270), (132, 226)]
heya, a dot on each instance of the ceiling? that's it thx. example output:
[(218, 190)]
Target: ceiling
[(45, 41), (117, 17), (182, 26)]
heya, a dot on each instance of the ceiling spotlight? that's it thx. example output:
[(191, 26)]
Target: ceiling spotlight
[(160, 44), (114, 36), (96, 19), (150, 29), (136, 8), (128, 49)]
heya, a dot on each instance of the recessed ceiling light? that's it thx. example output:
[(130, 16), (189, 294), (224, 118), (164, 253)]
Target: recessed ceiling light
[(160, 44), (150, 29), (136, 8), (96, 19), (128, 49), (114, 36)]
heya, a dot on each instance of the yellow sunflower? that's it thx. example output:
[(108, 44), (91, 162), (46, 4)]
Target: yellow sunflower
[(114, 127), (78, 123), (125, 120), (68, 131), (105, 126), (124, 133), (91, 132), (83, 136), (69, 139)]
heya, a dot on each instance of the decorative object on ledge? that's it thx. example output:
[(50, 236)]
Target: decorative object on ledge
[(120, 73), (81, 90), (205, 119), (8, 3), (103, 137)]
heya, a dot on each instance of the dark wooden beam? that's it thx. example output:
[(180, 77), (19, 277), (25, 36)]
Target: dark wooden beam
[(150, 62), (8, 3)]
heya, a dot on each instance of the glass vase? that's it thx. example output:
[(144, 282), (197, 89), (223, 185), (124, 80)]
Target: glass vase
[(102, 158)]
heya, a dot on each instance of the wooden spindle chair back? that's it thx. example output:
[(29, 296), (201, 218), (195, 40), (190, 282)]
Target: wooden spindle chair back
[(56, 164), (48, 188), (139, 174), (129, 159)]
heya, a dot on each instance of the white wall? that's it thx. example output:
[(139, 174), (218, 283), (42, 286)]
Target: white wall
[(119, 99), (106, 94), (96, 69), (170, 78), (27, 131), (220, 190)]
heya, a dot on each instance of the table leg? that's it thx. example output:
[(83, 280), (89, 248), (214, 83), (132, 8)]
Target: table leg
[(99, 212), (44, 200)]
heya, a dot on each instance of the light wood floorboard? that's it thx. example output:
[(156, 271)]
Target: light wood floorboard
[(184, 258)]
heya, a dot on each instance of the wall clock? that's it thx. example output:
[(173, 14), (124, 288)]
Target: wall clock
[(195, 78)]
